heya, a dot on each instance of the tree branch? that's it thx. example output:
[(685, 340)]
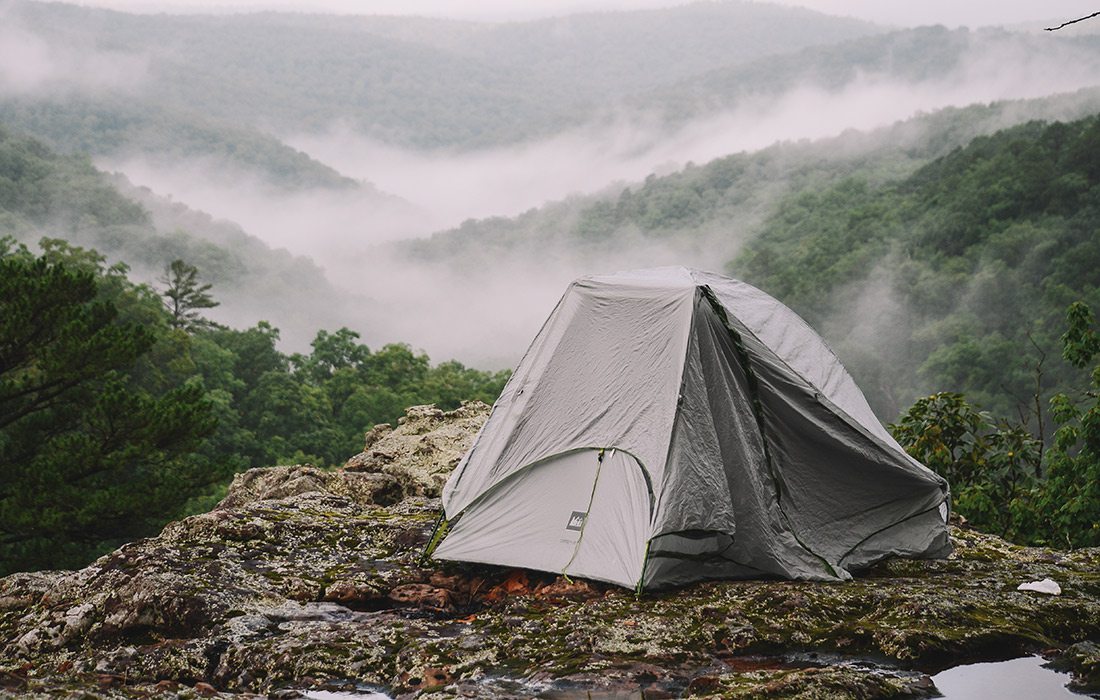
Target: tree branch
[(1072, 21)]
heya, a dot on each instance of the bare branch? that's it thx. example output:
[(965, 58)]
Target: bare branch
[(1072, 21)]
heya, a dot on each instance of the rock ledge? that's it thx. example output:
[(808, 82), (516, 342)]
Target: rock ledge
[(305, 578)]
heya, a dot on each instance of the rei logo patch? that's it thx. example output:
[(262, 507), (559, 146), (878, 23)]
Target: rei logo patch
[(576, 520)]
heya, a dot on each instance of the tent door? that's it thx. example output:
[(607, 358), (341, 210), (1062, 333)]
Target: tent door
[(569, 514), (616, 528)]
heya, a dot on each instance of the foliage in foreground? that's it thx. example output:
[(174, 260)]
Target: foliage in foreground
[(115, 417), (94, 445), (1002, 480)]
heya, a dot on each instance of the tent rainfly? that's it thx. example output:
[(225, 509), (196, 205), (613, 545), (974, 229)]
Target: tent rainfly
[(671, 425)]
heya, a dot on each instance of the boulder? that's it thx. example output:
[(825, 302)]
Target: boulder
[(424, 448)]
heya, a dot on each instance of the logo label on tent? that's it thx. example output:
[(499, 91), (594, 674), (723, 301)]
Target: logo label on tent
[(576, 520)]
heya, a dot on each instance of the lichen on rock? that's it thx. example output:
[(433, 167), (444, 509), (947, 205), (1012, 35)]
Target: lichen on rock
[(424, 448), (310, 578)]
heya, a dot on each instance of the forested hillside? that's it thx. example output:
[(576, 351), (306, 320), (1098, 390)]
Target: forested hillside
[(117, 125), (954, 278), (707, 212), (190, 84), (926, 58), (427, 82)]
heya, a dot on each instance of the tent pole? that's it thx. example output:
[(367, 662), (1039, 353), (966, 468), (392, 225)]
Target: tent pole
[(439, 531), (645, 563)]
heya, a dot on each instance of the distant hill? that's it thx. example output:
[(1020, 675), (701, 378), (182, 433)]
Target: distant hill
[(232, 87), (116, 126), (47, 194), (709, 211), (924, 57), (610, 54), (424, 82)]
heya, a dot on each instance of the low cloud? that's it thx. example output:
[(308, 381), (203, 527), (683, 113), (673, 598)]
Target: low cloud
[(453, 185), (486, 316), (329, 225), (31, 63)]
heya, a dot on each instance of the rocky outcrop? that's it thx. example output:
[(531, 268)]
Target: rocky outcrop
[(412, 460), (304, 578), (1083, 661)]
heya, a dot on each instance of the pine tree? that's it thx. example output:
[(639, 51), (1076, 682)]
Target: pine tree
[(89, 458), (185, 297)]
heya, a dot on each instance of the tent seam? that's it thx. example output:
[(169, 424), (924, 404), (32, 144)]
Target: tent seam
[(672, 431), (587, 512), (744, 360)]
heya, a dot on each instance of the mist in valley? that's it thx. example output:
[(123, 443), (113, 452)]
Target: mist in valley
[(482, 306), (33, 64), (450, 186), (486, 315)]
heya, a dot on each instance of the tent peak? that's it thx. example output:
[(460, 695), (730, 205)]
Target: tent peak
[(673, 276)]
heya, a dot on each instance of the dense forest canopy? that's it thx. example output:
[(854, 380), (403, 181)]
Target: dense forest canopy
[(961, 272)]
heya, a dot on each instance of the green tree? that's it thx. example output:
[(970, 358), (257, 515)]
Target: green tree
[(185, 297), (89, 457), (1070, 502), (990, 466)]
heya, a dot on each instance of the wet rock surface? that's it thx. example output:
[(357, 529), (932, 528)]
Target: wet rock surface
[(1083, 661), (310, 579)]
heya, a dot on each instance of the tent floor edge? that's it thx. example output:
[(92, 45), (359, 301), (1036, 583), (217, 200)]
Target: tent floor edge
[(641, 577), (439, 531)]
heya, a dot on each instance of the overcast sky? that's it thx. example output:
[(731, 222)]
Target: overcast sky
[(898, 12)]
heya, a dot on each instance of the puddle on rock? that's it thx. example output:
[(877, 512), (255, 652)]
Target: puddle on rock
[(1017, 679)]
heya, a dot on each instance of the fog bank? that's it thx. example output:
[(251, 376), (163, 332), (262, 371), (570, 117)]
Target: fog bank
[(30, 64), (487, 317), (450, 186)]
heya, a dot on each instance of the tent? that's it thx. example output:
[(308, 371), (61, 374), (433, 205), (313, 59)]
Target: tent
[(671, 425)]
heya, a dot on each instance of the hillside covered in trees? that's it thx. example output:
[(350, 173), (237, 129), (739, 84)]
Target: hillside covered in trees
[(44, 193), (431, 82), (956, 277)]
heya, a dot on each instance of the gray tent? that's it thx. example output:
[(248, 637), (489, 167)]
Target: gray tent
[(670, 425)]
